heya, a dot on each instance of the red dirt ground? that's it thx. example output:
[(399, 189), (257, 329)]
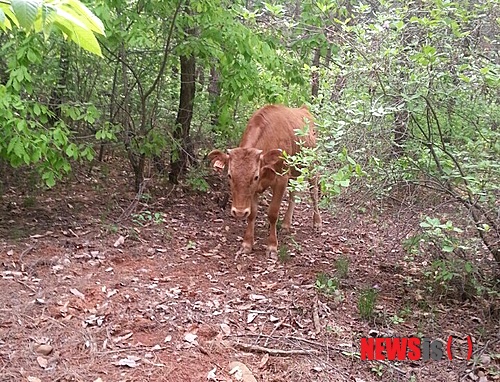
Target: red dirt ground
[(174, 303)]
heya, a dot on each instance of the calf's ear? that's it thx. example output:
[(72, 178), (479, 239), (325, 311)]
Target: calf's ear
[(272, 160), (218, 160)]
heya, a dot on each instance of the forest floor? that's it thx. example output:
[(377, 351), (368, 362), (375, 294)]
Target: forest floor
[(99, 286)]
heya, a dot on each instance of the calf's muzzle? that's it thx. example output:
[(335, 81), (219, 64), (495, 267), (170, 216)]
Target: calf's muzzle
[(240, 213)]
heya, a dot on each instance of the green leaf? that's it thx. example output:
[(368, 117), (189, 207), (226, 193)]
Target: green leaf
[(49, 179), (19, 149), (36, 155), (468, 267), (26, 11), (344, 183), (2, 19), (32, 56), (70, 150), (36, 109), (7, 10), (90, 21), (49, 15), (72, 17), (448, 248), (81, 36), (358, 170)]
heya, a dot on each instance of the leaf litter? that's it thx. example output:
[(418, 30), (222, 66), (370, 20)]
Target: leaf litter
[(104, 296)]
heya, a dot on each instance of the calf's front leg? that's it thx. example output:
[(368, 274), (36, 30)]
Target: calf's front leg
[(248, 239)]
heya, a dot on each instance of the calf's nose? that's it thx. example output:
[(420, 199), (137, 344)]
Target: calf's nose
[(240, 213)]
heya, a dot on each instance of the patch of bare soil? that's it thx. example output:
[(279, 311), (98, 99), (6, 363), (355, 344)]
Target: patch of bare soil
[(90, 292)]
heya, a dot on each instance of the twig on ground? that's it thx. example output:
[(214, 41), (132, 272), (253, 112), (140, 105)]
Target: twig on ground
[(131, 349), (262, 349), (317, 324), (292, 338), (389, 364), (26, 285), (24, 253)]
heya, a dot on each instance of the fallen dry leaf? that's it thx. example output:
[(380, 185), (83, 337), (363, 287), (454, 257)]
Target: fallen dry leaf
[(77, 293), (42, 362), (257, 297), (34, 379), (130, 361), (263, 361), (225, 329), (123, 338), (190, 337), (241, 372), (211, 374), (119, 241), (251, 317)]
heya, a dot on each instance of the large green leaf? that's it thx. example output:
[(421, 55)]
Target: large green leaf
[(71, 17), (49, 15), (26, 11), (79, 10), (80, 35), (7, 10)]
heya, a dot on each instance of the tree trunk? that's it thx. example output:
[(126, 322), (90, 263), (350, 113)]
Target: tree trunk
[(315, 73), (400, 132), (137, 161), (213, 96), (183, 146), (4, 74), (57, 92)]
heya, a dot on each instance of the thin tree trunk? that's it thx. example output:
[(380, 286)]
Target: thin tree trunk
[(315, 73), (183, 148), (400, 132), (213, 96), (57, 92), (4, 74)]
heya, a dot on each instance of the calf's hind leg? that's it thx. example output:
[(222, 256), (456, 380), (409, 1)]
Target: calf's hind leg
[(279, 189), (287, 221)]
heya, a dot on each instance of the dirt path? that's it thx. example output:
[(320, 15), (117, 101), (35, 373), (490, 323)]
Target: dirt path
[(172, 301)]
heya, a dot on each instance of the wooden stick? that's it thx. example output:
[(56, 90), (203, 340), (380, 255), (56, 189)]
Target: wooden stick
[(262, 349), (317, 324)]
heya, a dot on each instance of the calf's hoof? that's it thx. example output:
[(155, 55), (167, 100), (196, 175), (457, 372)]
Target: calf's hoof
[(245, 249), (317, 224), (272, 250)]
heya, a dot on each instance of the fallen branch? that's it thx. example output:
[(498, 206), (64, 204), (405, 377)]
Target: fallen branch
[(289, 338), (317, 324), (262, 349)]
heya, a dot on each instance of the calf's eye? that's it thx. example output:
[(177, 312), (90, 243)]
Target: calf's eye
[(256, 177), (229, 176)]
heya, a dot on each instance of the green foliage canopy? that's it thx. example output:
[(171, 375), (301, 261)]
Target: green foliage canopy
[(76, 22)]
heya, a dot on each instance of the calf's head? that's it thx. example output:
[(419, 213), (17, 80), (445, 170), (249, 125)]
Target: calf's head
[(250, 171)]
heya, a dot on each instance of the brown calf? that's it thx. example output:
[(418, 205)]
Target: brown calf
[(257, 164)]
